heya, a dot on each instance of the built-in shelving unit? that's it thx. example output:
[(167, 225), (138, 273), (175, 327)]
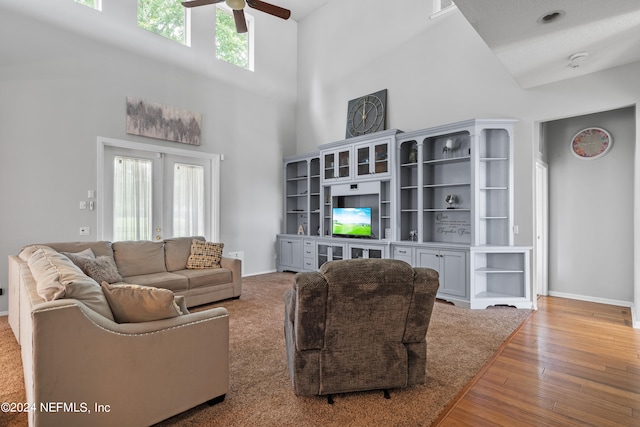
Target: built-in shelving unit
[(302, 204), (440, 198)]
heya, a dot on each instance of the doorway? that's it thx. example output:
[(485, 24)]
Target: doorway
[(590, 210)]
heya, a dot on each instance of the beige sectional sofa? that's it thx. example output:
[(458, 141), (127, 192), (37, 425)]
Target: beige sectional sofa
[(81, 367)]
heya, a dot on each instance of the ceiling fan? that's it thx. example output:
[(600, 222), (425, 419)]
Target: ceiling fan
[(238, 13)]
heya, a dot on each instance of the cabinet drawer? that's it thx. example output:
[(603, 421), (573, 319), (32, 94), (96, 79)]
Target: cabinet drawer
[(309, 264), (403, 254), (309, 249)]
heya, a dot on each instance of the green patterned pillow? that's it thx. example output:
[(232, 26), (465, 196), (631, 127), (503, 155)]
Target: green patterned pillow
[(205, 255)]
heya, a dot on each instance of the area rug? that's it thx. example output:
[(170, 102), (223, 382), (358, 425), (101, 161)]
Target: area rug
[(459, 344)]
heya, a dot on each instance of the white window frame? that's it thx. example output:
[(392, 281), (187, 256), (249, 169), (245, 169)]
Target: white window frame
[(98, 5), (250, 31), (187, 27), (214, 163), (439, 11)]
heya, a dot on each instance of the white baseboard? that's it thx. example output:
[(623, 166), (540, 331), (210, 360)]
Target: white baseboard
[(257, 274), (635, 317), (4, 313)]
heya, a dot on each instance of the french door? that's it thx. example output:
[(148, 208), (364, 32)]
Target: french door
[(151, 193)]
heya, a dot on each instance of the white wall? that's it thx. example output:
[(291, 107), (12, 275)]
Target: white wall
[(591, 210), (436, 72), (60, 89)]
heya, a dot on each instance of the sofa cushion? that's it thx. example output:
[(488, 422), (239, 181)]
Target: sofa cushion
[(134, 303), (27, 251), (100, 248), (205, 254), (177, 251), (166, 280), (57, 277), (135, 258), (206, 277), (101, 269)]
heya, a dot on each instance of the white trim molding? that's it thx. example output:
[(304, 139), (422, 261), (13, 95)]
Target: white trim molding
[(634, 319), (215, 160)]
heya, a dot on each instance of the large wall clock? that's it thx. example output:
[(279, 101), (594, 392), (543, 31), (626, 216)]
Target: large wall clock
[(591, 143), (367, 114)]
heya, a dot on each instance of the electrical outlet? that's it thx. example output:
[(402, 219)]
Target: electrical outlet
[(85, 231)]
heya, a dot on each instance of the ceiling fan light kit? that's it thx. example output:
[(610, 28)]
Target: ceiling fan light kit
[(238, 9), (236, 4)]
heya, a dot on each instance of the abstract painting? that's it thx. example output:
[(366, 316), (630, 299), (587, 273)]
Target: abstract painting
[(159, 121)]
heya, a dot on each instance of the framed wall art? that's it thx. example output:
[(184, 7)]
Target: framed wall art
[(159, 121)]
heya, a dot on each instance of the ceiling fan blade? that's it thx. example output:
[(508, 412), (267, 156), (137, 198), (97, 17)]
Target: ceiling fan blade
[(241, 22), (194, 3), (271, 9)]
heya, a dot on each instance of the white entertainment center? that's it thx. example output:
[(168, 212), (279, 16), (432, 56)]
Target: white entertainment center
[(440, 198)]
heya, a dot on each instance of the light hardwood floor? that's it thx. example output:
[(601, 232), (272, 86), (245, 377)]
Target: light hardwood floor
[(573, 363)]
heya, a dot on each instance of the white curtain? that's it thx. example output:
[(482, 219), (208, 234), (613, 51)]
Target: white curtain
[(188, 200), (132, 194)]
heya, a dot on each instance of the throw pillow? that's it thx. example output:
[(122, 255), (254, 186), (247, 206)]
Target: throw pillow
[(135, 303), (101, 269), (87, 253), (58, 278), (205, 255)]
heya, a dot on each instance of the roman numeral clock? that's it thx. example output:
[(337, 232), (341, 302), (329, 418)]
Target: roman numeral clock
[(367, 114)]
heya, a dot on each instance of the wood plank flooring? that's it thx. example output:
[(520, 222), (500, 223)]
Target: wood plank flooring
[(573, 363)]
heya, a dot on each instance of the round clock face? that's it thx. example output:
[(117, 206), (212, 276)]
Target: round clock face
[(591, 143), (366, 115)]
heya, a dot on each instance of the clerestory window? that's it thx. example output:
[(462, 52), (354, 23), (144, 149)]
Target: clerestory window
[(167, 18), (440, 7), (95, 4), (231, 46)]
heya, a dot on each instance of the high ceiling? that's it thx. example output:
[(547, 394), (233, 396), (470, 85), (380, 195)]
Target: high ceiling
[(299, 8), (537, 53)]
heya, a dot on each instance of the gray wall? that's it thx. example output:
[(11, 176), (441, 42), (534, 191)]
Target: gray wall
[(60, 90), (591, 209), (58, 93), (436, 72)]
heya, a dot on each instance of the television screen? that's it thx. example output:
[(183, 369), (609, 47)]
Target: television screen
[(352, 222)]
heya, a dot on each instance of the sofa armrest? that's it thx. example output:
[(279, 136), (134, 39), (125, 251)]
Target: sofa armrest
[(309, 301), (235, 265), (170, 365), (425, 287)]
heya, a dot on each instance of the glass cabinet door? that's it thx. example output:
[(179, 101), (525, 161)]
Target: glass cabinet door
[(363, 161), (372, 159), (375, 253), (329, 166), (382, 158), (343, 164)]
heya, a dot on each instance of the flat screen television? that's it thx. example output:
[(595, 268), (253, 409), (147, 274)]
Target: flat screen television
[(351, 222)]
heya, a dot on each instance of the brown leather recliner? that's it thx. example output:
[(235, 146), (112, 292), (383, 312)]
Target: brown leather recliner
[(358, 325)]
